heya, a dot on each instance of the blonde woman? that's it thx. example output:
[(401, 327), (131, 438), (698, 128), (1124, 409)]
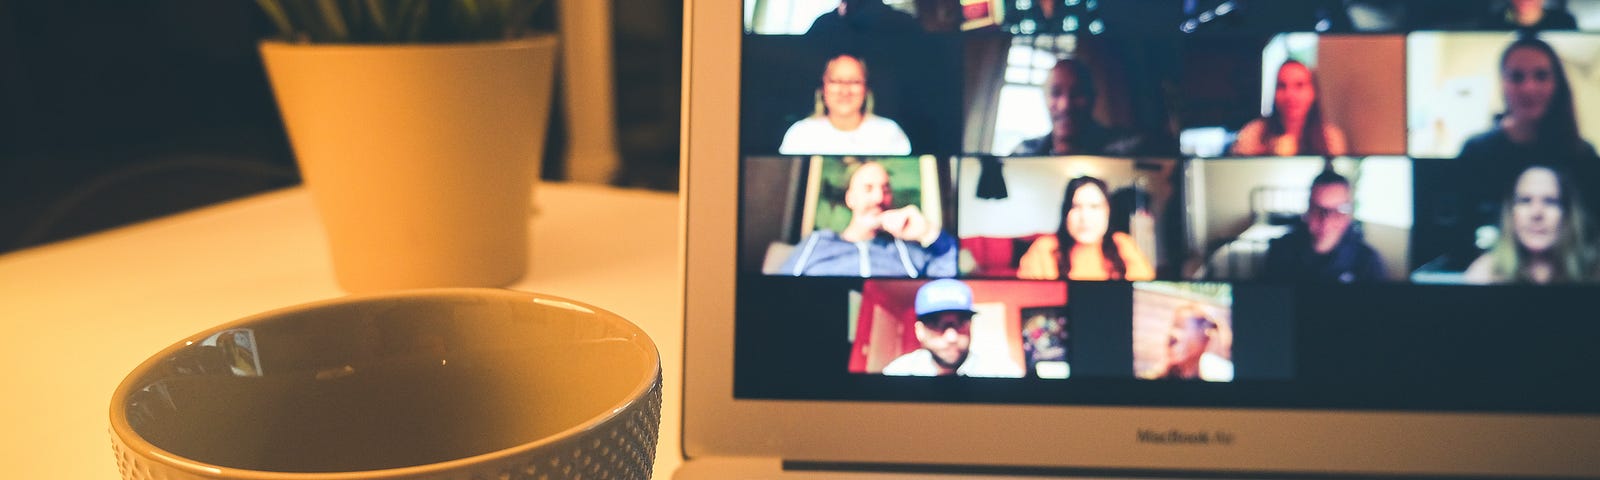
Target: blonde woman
[(1541, 235)]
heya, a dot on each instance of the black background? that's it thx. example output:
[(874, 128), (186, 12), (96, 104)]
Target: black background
[(1377, 347)]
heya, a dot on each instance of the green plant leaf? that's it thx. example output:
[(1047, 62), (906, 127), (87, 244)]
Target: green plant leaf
[(491, 20), (468, 15), (333, 19), (521, 13), (279, 18), (309, 24), (356, 18), (401, 18), (380, 18), (419, 19), (322, 21)]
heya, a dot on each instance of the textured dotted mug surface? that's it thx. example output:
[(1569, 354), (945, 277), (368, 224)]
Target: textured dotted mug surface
[(442, 384)]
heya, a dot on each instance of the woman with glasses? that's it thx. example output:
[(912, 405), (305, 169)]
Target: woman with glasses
[(842, 122), (1326, 246)]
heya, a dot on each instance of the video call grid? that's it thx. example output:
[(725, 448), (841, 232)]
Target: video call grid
[(1191, 152)]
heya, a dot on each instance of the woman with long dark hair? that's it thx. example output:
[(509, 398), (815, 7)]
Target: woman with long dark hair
[(1540, 119), (1296, 125), (1084, 246)]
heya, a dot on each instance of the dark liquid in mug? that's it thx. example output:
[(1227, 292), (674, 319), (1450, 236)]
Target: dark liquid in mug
[(393, 413)]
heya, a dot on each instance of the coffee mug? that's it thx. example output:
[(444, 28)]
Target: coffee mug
[(424, 384)]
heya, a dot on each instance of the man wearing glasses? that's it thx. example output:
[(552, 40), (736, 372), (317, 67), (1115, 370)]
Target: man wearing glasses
[(1324, 248), (944, 326)]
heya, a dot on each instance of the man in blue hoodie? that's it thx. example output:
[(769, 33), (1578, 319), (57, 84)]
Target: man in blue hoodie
[(879, 241), (1325, 247)]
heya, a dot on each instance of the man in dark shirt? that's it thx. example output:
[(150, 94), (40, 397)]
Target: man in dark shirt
[(1070, 98), (1325, 247), (863, 16)]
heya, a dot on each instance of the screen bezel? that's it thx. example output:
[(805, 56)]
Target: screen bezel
[(1261, 440)]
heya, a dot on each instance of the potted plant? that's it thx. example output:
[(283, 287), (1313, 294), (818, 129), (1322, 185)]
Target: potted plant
[(418, 126)]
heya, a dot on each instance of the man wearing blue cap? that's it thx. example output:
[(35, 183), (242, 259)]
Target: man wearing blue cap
[(944, 326)]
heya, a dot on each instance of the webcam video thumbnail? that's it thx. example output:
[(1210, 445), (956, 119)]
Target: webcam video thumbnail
[(973, 328)]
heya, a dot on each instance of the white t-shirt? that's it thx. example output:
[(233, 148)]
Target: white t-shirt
[(815, 136), (919, 363), (1214, 368)]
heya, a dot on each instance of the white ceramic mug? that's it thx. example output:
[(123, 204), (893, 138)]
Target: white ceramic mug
[(422, 384)]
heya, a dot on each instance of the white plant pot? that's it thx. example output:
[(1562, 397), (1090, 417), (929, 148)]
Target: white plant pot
[(421, 159)]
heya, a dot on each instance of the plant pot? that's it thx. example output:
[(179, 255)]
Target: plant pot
[(421, 159)]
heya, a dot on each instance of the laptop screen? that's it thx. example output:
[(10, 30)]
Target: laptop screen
[(1371, 205)]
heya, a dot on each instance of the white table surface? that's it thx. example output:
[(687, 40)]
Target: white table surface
[(78, 315)]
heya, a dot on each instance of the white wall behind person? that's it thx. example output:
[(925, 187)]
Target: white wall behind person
[(1384, 197), (1587, 12), (1219, 192), (1384, 204), (1453, 86)]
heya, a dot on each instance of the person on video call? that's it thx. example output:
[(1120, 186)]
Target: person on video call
[(1189, 341), (1542, 237), (879, 241), (1529, 14), (944, 328), (842, 122), (1539, 125), (1324, 247), (1296, 125), (1070, 98), (863, 16), (1084, 247)]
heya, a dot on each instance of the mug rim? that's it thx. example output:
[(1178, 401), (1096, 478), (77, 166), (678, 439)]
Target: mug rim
[(124, 433)]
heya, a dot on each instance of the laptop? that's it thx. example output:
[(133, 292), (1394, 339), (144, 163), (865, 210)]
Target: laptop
[(1140, 239)]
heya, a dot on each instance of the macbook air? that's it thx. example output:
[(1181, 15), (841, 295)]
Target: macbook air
[(1141, 239)]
